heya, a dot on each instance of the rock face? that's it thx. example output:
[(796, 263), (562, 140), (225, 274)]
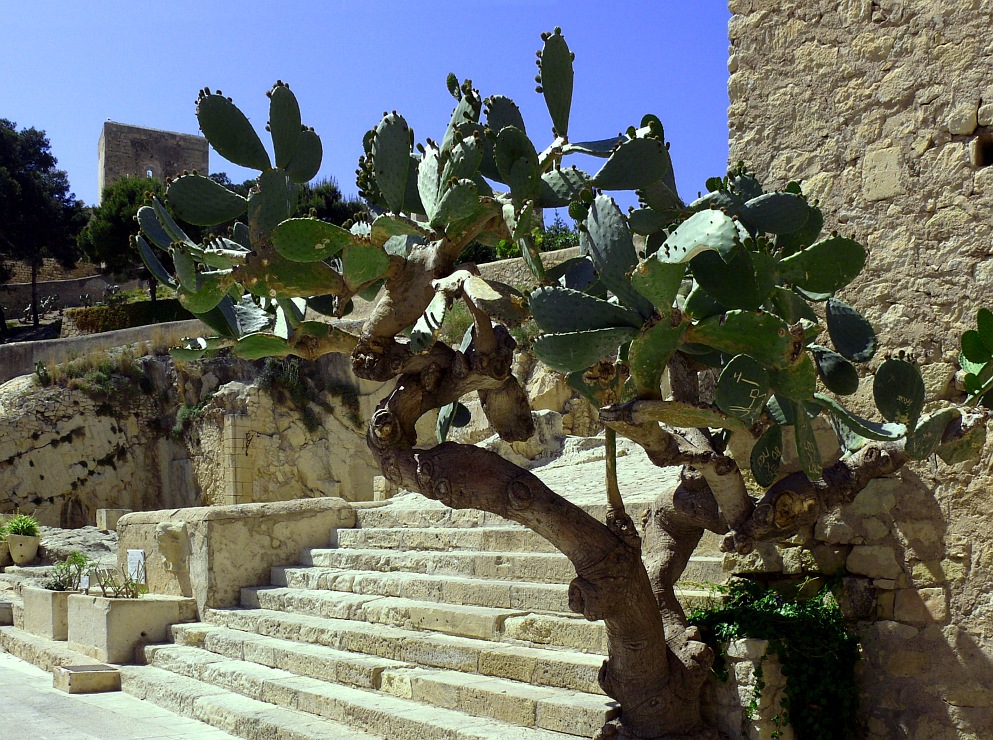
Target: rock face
[(63, 454), (882, 110), (269, 450)]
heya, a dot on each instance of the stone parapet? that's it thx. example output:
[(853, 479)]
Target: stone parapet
[(210, 553)]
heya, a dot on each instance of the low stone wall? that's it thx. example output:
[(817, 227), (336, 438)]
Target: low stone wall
[(19, 358), (516, 272), (211, 552), (15, 296)]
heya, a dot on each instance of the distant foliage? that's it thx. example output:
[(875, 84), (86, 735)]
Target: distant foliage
[(96, 319), (107, 237)]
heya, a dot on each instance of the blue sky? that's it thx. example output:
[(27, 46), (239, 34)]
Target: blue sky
[(69, 66)]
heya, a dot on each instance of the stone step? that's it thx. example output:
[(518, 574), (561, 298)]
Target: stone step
[(40, 651), (537, 567), (302, 659), (422, 514), (513, 702), (229, 711), (425, 513), (565, 669), (483, 623), (378, 713), (500, 539), (549, 597)]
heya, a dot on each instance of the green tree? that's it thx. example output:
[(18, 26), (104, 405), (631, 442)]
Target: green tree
[(39, 216), (323, 200), (107, 237), (725, 288)]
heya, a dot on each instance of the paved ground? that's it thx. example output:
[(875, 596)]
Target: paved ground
[(33, 709)]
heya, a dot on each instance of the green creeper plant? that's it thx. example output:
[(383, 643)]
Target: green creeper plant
[(732, 285)]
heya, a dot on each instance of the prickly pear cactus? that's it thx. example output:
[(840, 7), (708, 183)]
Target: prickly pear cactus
[(734, 283)]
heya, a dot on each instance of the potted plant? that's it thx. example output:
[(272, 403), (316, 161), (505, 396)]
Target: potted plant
[(23, 538), (46, 609)]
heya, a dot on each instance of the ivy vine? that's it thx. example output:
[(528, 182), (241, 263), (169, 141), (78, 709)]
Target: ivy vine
[(816, 650)]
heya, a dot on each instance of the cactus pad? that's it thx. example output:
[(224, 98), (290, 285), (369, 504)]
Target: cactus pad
[(798, 381), (362, 264), (153, 263), (649, 354), (636, 163), (887, 432), (744, 281), (257, 346), (767, 456), (200, 201), (607, 240), (555, 64), (742, 389), (307, 158), (390, 158), (579, 350), (898, 390), (775, 213), (837, 373), (658, 282), (426, 329), (559, 187), (825, 267), (284, 123), (230, 132), (309, 240), (502, 111), (702, 231), (560, 310), (929, 432), (806, 444), (763, 336), (850, 331)]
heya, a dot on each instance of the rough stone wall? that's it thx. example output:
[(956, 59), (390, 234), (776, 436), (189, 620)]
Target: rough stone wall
[(63, 455), (883, 110), (134, 150), (277, 456)]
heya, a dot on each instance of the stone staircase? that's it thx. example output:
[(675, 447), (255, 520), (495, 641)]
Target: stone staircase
[(422, 622)]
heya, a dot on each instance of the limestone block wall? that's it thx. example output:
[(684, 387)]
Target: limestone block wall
[(883, 110)]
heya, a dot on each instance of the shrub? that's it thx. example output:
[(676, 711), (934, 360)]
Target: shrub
[(24, 525), (97, 319)]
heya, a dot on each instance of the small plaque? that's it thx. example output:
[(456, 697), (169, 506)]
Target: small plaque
[(136, 565)]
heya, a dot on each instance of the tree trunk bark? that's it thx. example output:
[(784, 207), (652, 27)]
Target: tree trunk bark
[(658, 696)]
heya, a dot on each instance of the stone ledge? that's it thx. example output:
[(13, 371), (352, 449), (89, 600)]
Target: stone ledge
[(210, 553)]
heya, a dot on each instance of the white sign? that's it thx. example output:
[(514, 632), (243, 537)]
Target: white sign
[(136, 565)]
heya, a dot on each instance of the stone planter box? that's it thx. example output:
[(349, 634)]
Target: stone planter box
[(46, 613), (5, 554), (23, 548), (110, 630)]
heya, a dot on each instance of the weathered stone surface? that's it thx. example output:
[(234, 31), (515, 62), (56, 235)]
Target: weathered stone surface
[(881, 174), (885, 139), (874, 561)]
